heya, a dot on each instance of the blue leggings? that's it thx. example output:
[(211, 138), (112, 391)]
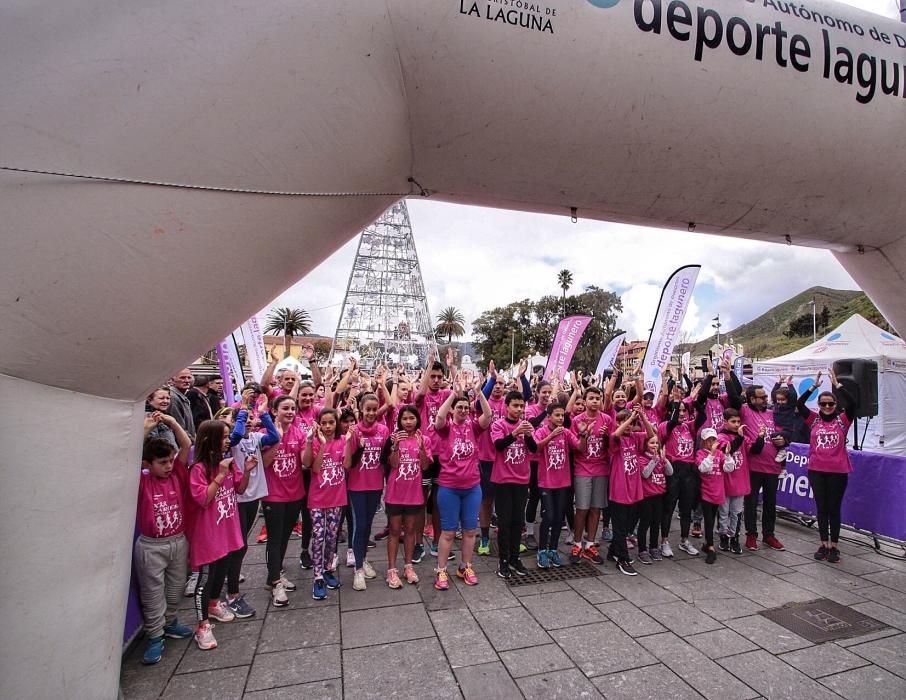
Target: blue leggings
[(458, 507), (363, 505)]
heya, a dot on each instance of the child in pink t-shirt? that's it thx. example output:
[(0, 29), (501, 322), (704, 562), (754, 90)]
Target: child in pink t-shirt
[(655, 469), (737, 444), (711, 462), (329, 457), (215, 532)]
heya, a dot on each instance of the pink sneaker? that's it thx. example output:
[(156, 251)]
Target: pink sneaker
[(409, 572), (467, 574), (204, 636), (393, 579), (441, 580)]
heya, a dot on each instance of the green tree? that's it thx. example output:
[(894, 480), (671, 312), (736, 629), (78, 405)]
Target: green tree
[(450, 323), (289, 323), (565, 280)]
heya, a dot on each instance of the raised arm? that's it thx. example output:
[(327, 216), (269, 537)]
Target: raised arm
[(440, 421)]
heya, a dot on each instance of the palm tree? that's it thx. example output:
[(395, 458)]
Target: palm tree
[(565, 280), (289, 322), (449, 323)]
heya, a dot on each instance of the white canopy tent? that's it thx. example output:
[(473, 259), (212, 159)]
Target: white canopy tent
[(855, 338)]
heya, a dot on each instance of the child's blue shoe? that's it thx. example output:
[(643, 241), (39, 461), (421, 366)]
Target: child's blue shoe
[(177, 631), (332, 581), (153, 650)]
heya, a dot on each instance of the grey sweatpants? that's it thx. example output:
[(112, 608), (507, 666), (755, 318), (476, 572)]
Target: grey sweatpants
[(728, 515), (161, 568)]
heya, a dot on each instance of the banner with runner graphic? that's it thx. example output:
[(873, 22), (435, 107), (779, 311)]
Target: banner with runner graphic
[(254, 347), (569, 332), (609, 356)]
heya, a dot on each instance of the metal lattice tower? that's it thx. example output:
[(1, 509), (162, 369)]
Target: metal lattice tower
[(385, 311)]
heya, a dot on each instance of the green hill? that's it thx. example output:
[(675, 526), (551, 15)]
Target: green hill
[(764, 337)]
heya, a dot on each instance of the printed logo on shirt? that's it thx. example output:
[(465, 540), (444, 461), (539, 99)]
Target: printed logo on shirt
[(658, 478), (556, 456), (463, 448), (630, 461), (684, 446), (827, 440), (167, 517), (717, 417), (284, 467), (371, 458), (408, 470), (736, 459), (332, 474), (226, 503), (595, 444), (515, 453)]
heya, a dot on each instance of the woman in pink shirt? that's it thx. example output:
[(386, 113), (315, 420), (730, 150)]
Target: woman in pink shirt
[(215, 532)]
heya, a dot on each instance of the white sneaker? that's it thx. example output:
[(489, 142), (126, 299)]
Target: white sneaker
[(368, 569), (278, 596), (687, 547), (190, 585), (781, 456), (220, 612), (666, 550), (204, 637), (334, 563), (287, 584), (358, 580), (350, 558)]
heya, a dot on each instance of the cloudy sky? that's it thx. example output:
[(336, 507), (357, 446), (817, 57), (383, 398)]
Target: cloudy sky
[(467, 276)]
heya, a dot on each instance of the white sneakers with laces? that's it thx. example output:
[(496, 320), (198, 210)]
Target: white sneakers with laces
[(687, 547), (666, 550), (350, 558), (204, 637), (278, 595)]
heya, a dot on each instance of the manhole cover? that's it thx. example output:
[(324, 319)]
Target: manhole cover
[(823, 620), (581, 570)]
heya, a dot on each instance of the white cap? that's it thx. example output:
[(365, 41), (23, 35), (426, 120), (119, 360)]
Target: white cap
[(708, 433)]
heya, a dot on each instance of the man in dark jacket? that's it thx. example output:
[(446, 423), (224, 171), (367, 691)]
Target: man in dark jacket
[(180, 408)]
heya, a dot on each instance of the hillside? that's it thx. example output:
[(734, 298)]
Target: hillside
[(764, 337)]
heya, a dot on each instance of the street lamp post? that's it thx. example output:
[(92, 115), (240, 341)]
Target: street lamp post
[(716, 325), (815, 320)]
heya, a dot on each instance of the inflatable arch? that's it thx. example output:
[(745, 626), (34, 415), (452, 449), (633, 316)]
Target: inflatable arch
[(296, 123)]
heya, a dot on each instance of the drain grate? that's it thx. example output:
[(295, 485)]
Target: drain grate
[(823, 620), (581, 570)]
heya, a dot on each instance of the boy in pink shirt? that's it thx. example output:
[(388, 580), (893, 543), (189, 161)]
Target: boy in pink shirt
[(734, 441)]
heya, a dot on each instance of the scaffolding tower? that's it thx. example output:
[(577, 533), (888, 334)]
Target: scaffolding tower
[(385, 316)]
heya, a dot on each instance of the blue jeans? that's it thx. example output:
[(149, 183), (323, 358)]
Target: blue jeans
[(363, 505), (458, 507)]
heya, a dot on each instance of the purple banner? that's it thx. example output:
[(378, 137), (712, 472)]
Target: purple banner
[(874, 499), (569, 332), (134, 618), (224, 362)]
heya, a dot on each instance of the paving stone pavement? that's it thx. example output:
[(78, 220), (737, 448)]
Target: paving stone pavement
[(681, 629)]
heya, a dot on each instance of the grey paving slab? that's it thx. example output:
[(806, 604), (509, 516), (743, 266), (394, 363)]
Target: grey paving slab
[(859, 566), (294, 667), (823, 659), (885, 596), (532, 660), (236, 646), (301, 597), (696, 669), (882, 613), (829, 573), (139, 681), (511, 628), (823, 588), (449, 599), (362, 628), (890, 578), (331, 689), (773, 678), (868, 681), (538, 588), (632, 620), (602, 648), (720, 643), (462, 639), (305, 627), (486, 681), (765, 565), (491, 593), (561, 609), (594, 590), (682, 618), (377, 595), (723, 609), (639, 590), (871, 637), (888, 653), (365, 671), (666, 571), (226, 683), (650, 683), (557, 684), (768, 634)]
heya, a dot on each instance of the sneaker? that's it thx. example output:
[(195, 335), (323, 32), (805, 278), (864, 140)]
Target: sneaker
[(522, 548), (773, 543), (219, 611), (696, 530), (372, 544), (318, 589), (503, 569), (334, 563), (518, 567), (262, 536), (358, 580), (418, 554), (531, 542), (781, 456), (177, 631), (724, 543), (190, 584), (484, 548), (432, 548), (154, 649), (555, 559), (204, 636), (734, 545), (644, 557), (710, 556), (287, 584), (278, 596), (240, 608), (409, 573), (297, 531), (544, 561), (686, 546), (429, 531), (833, 555), (350, 558), (575, 554), (382, 535), (655, 554), (467, 574), (368, 569), (751, 542), (607, 535), (592, 554), (666, 550), (630, 542), (441, 580), (305, 559), (393, 579), (821, 554), (626, 568), (241, 577), (333, 583)]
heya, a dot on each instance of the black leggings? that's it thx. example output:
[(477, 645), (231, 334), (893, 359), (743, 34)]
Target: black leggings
[(682, 488), (622, 516), (209, 586), (767, 483), (306, 513), (709, 511), (509, 502), (534, 495), (650, 517), (828, 488), (247, 513), (553, 506), (279, 518)]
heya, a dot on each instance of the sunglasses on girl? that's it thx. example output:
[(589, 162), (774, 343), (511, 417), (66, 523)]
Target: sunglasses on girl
[(827, 404)]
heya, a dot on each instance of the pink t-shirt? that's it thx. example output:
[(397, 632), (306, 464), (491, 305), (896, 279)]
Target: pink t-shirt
[(712, 483), (511, 466), (533, 410), (679, 445), (656, 483), (428, 407), (553, 462), (828, 444), (753, 420), (162, 502), (457, 445), (486, 451), (284, 476), (736, 482), (404, 483), (652, 414), (368, 473), (714, 413), (625, 469), (593, 460), (215, 530), (328, 486), (304, 420)]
